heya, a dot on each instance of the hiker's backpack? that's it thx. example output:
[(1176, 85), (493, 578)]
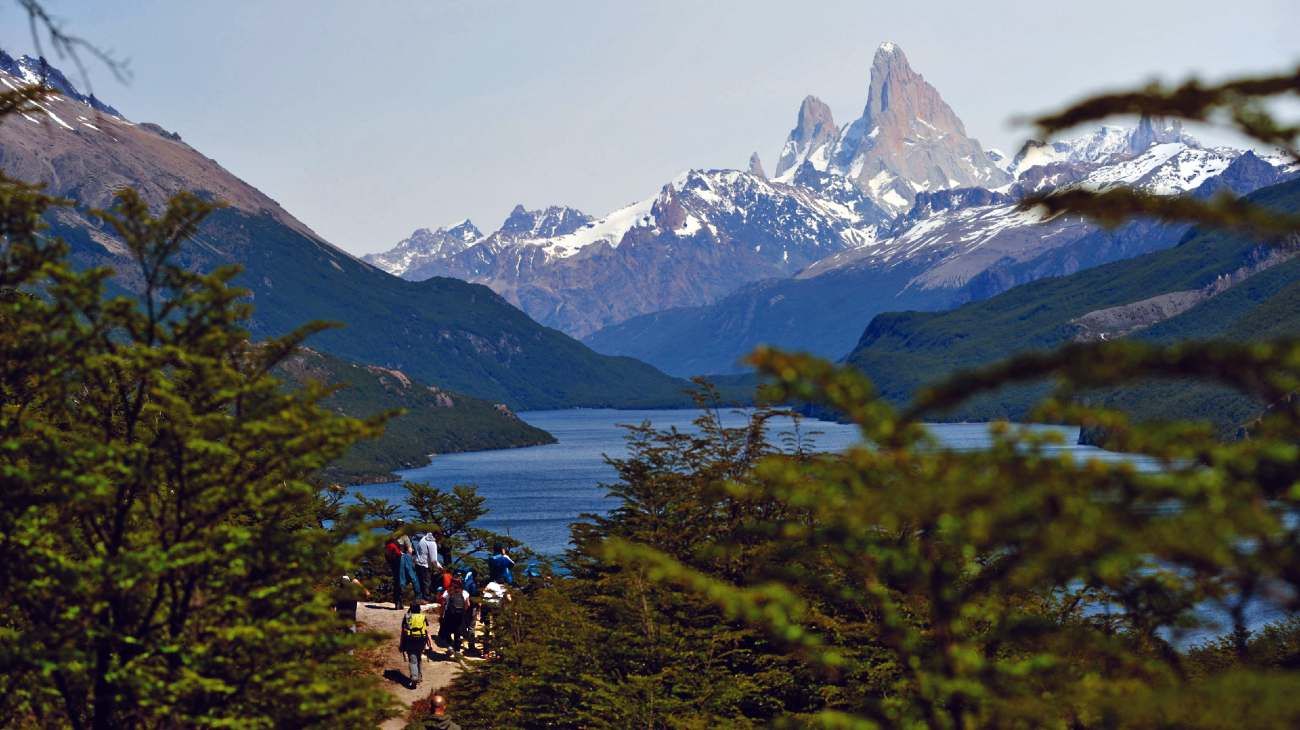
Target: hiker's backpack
[(415, 625), (471, 585), (392, 551), (456, 601)]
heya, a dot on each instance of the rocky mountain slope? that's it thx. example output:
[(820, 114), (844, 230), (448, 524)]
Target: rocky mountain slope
[(952, 247), (454, 335), (908, 140), (702, 235)]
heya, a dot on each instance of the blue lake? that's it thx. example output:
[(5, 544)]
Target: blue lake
[(534, 493)]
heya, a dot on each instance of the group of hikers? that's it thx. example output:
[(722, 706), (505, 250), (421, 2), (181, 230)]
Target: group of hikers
[(460, 603), (454, 597)]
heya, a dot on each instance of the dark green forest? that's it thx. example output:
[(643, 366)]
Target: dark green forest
[(903, 352)]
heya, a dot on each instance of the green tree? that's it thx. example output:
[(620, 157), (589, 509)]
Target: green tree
[(161, 550), (449, 514), (1016, 586), (607, 646), (904, 584), (452, 514)]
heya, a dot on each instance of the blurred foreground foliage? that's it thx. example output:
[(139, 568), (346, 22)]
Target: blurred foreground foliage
[(906, 584), (1246, 105), (163, 544)]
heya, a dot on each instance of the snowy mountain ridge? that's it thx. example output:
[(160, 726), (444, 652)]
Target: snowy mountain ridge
[(424, 245), (705, 231), (27, 70), (903, 183)]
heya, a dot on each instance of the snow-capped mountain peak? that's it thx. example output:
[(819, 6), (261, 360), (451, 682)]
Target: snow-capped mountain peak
[(908, 140), (424, 245), (36, 71), (1104, 145), (813, 135), (549, 222)]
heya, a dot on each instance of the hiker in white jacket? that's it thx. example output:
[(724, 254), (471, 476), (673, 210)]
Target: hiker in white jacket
[(427, 564)]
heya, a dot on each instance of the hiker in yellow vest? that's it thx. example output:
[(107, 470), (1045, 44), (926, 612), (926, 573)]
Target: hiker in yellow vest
[(414, 641)]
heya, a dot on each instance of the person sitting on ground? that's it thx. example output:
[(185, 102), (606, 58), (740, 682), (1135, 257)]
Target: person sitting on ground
[(499, 566), (439, 719), (347, 593), (456, 606), (414, 641), (426, 563), (407, 574)]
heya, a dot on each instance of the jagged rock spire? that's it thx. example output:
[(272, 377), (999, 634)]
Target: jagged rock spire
[(756, 166), (1152, 131), (908, 138), (814, 129)]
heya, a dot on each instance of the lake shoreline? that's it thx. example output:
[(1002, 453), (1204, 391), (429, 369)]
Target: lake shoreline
[(534, 493)]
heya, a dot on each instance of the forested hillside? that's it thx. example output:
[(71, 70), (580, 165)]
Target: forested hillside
[(901, 352)]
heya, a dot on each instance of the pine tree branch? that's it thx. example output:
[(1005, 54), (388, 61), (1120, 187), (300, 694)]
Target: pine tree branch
[(1193, 101)]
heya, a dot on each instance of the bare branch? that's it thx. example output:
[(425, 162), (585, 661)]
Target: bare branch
[(67, 45), (1193, 101)]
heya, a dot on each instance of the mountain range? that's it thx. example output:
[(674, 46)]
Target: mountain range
[(689, 244), (898, 209), (447, 333), (961, 246)]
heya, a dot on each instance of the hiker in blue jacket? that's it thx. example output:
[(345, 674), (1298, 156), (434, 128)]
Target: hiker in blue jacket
[(499, 566)]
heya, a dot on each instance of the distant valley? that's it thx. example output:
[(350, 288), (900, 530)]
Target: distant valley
[(899, 210)]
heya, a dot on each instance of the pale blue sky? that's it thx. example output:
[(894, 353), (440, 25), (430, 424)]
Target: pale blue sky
[(369, 119)]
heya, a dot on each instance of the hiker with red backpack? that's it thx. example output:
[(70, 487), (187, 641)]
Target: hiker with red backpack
[(414, 641), (393, 555)]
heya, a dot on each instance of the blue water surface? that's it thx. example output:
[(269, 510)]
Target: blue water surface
[(533, 494)]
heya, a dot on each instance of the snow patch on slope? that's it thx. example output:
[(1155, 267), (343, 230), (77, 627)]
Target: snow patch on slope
[(609, 229)]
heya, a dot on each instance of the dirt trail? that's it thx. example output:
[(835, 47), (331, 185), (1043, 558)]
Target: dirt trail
[(438, 669)]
